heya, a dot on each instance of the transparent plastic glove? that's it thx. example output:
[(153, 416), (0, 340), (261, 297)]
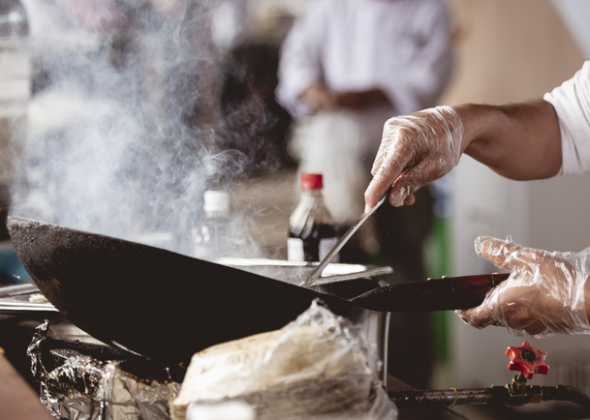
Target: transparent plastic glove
[(543, 297), (416, 149)]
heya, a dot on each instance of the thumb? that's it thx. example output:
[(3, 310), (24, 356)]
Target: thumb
[(408, 182), (479, 317)]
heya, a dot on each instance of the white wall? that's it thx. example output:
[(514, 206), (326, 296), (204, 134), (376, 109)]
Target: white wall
[(576, 15)]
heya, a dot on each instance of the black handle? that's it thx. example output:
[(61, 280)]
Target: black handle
[(448, 293)]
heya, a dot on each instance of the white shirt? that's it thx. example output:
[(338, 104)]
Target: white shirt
[(571, 101), (400, 46)]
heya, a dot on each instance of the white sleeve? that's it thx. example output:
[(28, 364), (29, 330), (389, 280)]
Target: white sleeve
[(300, 64), (571, 102), (422, 81)]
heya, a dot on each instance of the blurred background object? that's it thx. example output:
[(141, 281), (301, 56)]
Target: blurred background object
[(15, 73), (15, 90), (346, 67)]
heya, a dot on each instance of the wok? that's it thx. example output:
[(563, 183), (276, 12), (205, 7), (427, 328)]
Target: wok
[(149, 300), (168, 306)]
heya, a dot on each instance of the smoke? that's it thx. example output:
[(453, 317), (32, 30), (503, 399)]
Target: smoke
[(126, 125)]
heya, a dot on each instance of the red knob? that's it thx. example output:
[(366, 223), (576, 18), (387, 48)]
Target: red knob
[(528, 360)]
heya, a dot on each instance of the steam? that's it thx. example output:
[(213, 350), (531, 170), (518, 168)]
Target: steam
[(125, 127)]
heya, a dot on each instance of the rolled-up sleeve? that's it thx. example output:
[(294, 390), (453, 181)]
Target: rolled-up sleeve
[(571, 102)]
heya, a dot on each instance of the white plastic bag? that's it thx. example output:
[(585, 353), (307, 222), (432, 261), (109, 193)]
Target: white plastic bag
[(316, 367)]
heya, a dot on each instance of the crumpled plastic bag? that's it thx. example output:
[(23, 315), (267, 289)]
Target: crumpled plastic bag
[(84, 388), (316, 367)]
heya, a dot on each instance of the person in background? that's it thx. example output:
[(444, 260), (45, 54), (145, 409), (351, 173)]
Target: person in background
[(547, 293), (346, 67)]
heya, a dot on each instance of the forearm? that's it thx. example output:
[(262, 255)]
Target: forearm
[(520, 141)]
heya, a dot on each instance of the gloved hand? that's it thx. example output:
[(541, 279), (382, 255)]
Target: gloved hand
[(416, 149), (543, 297)]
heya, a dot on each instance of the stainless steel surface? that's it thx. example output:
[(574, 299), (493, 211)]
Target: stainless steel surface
[(375, 330), (18, 289), (295, 272), (26, 307), (16, 298), (341, 242)]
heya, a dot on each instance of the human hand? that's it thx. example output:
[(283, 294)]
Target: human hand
[(318, 97), (356, 100), (416, 149), (544, 296)]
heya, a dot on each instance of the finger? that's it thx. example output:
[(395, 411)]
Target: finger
[(410, 199), (397, 196), (536, 328), (507, 255), (391, 154), (409, 181), (479, 317), (382, 180), (382, 152)]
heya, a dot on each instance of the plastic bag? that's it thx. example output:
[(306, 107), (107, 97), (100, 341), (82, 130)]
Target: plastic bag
[(317, 367)]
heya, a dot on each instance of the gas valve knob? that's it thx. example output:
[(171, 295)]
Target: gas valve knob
[(527, 360)]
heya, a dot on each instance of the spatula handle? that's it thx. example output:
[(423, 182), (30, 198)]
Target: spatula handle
[(444, 294)]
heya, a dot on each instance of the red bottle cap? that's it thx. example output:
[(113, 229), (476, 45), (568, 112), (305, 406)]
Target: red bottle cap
[(311, 181)]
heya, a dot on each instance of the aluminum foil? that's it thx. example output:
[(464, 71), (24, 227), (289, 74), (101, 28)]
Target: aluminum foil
[(84, 388)]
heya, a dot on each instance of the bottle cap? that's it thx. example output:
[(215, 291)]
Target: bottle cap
[(13, 20), (311, 181), (216, 201)]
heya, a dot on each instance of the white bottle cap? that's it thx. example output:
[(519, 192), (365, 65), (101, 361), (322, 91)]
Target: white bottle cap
[(216, 201)]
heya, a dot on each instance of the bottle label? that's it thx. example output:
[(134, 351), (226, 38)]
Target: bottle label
[(326, 246), (295, 249)]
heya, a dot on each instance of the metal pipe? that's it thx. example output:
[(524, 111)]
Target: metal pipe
[(495, 395)]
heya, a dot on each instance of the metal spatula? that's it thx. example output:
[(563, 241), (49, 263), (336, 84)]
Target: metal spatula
[(326, 260)]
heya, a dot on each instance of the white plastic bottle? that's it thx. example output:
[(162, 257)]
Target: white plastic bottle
[(213, 238)]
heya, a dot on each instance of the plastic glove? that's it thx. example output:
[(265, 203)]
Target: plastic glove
[(543, 297), (416, 149)]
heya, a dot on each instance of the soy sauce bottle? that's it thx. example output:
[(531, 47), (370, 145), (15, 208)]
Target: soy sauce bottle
[(312, 232)]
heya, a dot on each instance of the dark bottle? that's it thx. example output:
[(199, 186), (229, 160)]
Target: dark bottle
[(312, 232)]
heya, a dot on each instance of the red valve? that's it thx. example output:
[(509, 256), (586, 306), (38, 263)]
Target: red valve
[(527, 360)]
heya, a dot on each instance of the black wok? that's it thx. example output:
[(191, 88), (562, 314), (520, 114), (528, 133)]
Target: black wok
[(152, 301), (169, 306)]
